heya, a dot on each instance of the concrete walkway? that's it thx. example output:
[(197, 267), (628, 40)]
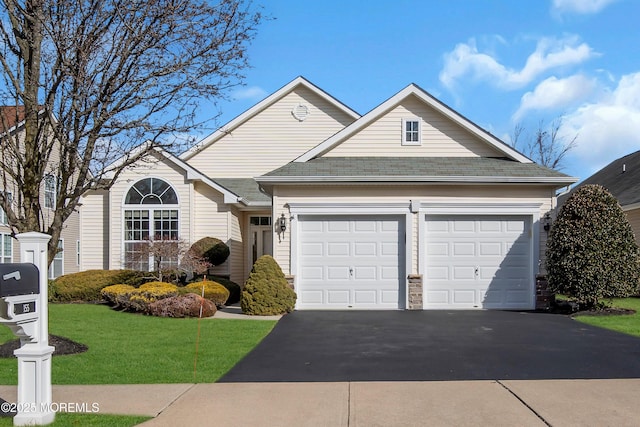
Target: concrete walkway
[(437, 403)]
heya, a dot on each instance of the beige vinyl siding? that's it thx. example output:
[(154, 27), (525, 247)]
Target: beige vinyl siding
[(211, 219), (381, 194), (236, 247), (70, 236), (441, 137), (634, 219), (271, 138), (70, 232), (94, 231), (164, 170), (209, 213)]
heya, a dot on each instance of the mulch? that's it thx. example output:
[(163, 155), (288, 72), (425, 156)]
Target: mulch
[(62, 346)]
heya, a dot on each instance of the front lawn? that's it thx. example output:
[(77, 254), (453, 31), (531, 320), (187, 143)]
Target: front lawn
[(127, 348), (69, 420), (628, 324)]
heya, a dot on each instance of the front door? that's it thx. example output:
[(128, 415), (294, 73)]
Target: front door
[(260, 237)]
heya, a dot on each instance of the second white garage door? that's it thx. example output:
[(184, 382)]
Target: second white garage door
[(353, 261), (478, 262)]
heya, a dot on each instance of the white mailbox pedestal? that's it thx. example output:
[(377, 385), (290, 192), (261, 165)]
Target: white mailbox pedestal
[(34, 356)]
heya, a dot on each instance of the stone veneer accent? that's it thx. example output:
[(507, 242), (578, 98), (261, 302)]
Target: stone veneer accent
[(415, 291), (544, 297), (291, 280)]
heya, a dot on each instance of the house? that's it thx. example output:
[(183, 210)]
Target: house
[(67, 260), (411, 206), (622, 179)]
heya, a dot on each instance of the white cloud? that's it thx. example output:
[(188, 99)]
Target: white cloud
[(254, 93), (550, 53), (606, 129), (580, 6), (554, 94)]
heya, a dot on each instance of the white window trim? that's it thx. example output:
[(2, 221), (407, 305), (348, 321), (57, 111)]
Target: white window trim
[(58, 257), (404, 131), (3, 215), (3, 237), (150, 208), (51, 205)]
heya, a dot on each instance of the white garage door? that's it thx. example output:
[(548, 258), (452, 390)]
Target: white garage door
[(350, 262), (478, 262)]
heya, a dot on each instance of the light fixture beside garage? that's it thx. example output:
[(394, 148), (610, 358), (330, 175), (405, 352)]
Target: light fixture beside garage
[(547, 222), (282, 224)]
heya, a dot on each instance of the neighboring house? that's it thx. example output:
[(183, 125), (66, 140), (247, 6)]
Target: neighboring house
[(409, 206), (68, 258), (622, 179)]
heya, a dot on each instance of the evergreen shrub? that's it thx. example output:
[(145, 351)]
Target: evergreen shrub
[(213, 250), (213, 291), (266, 291), (86, 285), (591, 250)]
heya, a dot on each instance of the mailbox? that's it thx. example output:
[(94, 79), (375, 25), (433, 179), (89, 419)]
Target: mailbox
[(19, 293), (19, 279)]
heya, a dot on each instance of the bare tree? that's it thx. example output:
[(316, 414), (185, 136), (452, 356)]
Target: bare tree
[(92, 79), (546, 146)]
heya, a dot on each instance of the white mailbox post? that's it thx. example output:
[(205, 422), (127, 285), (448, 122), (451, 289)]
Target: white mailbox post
[(25, 310)]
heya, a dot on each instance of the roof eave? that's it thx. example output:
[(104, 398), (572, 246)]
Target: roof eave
[(416, 179)]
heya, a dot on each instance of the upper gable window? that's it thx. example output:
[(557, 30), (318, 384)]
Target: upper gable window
[(411, 134), (151, 191)]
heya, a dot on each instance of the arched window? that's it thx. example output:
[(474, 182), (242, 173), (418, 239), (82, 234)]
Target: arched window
[(150, 215), (151, 191)]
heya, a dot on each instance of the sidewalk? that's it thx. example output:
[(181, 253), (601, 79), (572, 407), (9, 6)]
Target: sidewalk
[(450, 403)]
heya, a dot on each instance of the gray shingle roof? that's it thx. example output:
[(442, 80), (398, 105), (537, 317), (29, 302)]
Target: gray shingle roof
[(418, 169), (246, 188), (620, 177)]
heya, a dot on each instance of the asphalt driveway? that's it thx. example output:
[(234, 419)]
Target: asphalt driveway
[(316, 346)]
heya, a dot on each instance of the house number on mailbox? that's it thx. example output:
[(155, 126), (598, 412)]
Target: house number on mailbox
[(28, 307)]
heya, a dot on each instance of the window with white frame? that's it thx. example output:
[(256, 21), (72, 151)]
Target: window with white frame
[(3, 215), (6, 248), (56, 269), (411, 133), (150, 213), (50, 188)]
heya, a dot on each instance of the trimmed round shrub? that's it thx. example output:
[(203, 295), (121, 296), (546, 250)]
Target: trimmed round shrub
[(213, 250), (159, 289), (266, 291), (188, 305), (139, 299), (113, 294), (233, 288), (591, 250), (86, 285), (213, 291)]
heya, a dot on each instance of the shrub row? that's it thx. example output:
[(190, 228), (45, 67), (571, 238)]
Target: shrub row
[(166, 299), (86, 285)]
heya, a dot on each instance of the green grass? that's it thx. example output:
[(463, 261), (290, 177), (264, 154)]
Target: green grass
[(82, 420), (127, 348), (628, 324)]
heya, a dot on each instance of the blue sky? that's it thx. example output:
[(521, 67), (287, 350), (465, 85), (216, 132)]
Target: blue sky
[(497, 62)]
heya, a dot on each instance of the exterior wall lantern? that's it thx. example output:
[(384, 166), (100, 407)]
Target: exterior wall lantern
[(547, 222), (282, 223)]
